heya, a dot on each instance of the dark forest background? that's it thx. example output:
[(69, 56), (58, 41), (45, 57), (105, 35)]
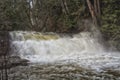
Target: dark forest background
[(63, 16)]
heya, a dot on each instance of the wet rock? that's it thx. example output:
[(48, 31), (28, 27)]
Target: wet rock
[(57, 72), (13, 61), (17, 61)]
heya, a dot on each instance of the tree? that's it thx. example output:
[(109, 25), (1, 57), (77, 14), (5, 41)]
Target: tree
[(95, 11), (65, 7)]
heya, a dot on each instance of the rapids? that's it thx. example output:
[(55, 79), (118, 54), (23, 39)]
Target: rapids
[(83, 49)]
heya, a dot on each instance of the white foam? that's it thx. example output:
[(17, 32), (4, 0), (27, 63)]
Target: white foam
[(81, 49)]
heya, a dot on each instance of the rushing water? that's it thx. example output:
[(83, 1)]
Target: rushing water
[(66, 57)]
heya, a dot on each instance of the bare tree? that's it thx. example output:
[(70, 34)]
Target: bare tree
[(95, 11), (65, 7), (97, 7)]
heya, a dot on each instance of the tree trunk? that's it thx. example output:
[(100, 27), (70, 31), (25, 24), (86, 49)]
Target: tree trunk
[(95, 6), (65, 3), (99, 11), (31, 14), (92, 12), (64, 6)]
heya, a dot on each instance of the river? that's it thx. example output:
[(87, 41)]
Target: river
[(55, 56)]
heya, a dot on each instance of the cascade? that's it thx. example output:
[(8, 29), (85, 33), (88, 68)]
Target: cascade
[(83, 49)]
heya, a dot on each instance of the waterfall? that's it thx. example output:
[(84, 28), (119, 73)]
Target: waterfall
[(83, 49)]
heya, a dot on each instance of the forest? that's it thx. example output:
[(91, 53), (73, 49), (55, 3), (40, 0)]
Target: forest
[(62, 16)]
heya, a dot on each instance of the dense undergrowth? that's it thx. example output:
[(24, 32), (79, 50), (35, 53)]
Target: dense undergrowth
[(54, 16), (110, 22)]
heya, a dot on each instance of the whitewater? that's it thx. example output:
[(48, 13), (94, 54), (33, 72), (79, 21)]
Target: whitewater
[(83, 49)]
